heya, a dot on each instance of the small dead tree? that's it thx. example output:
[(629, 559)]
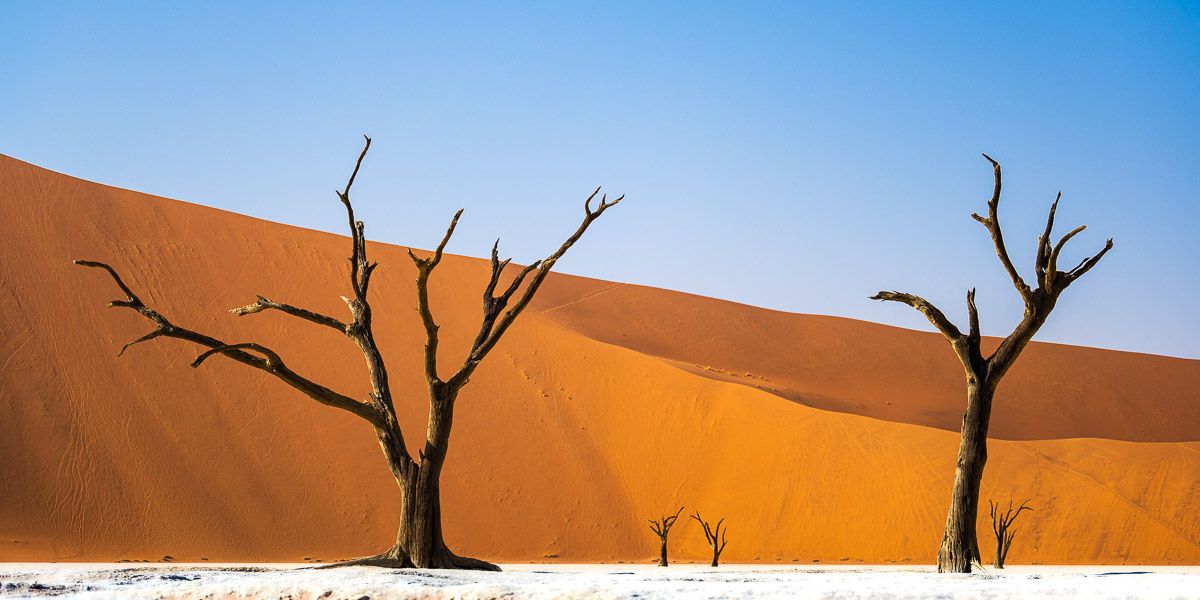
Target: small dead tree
[(1002, 528), (661, 528), (715, 536), (960, 545), (419, 541)]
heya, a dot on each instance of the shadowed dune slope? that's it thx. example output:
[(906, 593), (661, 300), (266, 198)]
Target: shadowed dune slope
[(819, 438)]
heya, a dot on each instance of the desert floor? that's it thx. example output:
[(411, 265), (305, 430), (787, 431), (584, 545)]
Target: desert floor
[(109, 580)]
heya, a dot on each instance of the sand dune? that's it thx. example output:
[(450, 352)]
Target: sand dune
[(819, 438)]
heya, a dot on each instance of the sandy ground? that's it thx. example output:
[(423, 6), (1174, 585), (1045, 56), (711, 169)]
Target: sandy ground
[(591, 581), (817, 438)]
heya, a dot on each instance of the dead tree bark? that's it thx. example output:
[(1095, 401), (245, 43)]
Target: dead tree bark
[(960, 545), (1002, 528), (419, 542), (715, 536), (661, 528)]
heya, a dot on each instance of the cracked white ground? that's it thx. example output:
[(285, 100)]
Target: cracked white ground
[(101, 580)]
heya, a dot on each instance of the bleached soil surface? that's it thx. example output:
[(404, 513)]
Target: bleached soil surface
[(95, 580)]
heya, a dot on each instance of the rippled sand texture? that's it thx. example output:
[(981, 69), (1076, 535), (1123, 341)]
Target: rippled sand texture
[(818, 438)]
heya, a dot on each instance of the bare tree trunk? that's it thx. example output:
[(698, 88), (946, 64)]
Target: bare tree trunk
[(716, 537), (960, 542), (1001, 552), (1002, 543), (419, 540), (1002, 526), (419, 537), (420, 533), (662, 528)]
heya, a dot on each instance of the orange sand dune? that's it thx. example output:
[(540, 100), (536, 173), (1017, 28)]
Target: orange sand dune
[(818, 438)]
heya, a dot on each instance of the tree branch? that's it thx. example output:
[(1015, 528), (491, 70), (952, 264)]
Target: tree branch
[(663, 526), (272, 358), (995, 522), (1023, 507), (992, 223), (492, 304), (271, 364), (1086, 264), (360, 270), (144, 338), (493, 327), (425, 268), (497, 268), (1051, 281), (713, 535), (264, 304), (931, 312), (654, 527), (707, 531), (1042, 261), (973, 336), (1052, 271)]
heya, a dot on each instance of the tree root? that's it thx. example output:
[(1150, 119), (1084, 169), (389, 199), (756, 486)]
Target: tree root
[(397, 559), (379, 560), (472, 564)]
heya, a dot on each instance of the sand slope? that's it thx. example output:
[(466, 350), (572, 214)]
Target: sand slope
[(819, 438)]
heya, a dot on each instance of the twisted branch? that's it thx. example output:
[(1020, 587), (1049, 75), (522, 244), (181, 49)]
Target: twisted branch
[(992, 223), (1002, 527), (273, 360), (495, 319), (493, 326), (360, 269), (425, 267), (1086, 264), (265, 304), (715, 536), (271, 363), (973, 336), (931, 312), (664, 523), (1042, 260), (1038, 302)]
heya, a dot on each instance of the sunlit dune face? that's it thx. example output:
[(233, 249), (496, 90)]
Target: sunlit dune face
[(816, 438)]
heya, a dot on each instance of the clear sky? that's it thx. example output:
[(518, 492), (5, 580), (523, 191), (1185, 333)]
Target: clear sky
[(797, 156)]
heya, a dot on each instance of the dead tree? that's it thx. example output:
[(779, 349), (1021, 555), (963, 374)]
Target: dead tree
[(715, 536), (1002, 528), (662, 527), (419, 541), (960, 546)]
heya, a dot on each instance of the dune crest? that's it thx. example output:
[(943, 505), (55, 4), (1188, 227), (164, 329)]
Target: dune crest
[(819, 438)]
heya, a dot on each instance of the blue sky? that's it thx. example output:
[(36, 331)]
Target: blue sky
[(797, 156)]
